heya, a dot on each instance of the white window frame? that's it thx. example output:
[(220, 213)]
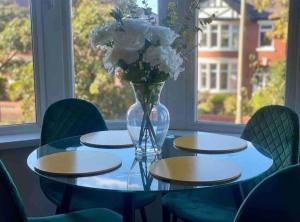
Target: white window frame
[(260, 30), (181, 96), (218, 62), (54, 74), (53, 65), (219, 24)]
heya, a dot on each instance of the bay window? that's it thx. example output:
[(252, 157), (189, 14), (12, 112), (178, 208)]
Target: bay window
[(63, 66)]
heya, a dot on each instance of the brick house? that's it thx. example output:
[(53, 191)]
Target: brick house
[(218, 49)]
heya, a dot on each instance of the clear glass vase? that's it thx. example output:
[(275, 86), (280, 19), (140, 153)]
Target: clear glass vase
[(147, 119)]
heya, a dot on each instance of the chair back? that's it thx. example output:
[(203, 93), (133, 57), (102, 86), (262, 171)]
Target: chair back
[(275, 199), (11, 207), (276, 129), (70, 117)]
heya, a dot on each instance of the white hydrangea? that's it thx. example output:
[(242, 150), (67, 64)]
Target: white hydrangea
[(128, 41), (132, 35), (166, 59), (101, 36), (164, 35)]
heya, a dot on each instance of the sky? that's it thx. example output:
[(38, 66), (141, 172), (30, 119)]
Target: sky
[(152, 4)]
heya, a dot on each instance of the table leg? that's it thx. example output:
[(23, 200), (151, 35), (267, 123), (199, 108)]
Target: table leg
[(238, 194), (128, 208), (66, 201)]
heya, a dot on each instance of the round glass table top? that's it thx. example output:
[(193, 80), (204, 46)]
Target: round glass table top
[(134, 176)]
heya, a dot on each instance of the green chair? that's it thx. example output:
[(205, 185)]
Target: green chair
[(275, 199), (12, 209), (276, 129), (74, 117)]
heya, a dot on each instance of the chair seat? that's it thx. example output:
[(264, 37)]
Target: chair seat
[(96, 214), (209, 205), (91, 198)]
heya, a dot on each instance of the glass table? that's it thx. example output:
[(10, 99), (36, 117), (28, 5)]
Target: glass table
[(133, 176)]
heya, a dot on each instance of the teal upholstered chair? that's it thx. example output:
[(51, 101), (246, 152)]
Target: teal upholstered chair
[(276, 129), (12, 209), (74, 117), (275, 199)]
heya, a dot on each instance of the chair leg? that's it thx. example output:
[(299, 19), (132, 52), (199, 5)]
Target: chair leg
[(143, 214), (166, 214)]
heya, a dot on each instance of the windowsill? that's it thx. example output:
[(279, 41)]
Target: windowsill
[(217, 49), (265, 49), (19, 141)]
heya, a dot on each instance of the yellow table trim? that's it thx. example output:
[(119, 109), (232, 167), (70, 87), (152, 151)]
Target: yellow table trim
[(195, 170), (78, 163)]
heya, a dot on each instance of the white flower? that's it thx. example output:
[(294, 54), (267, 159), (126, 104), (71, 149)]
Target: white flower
[(132, 34), (101, 36), (165, 36), (166, 59), (114, 55)]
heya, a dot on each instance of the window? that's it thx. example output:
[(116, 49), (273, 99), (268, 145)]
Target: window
[(221, 76), (264, 39), (203, 38), (213, 76), (214, 36), (17, 93), (220, 36), (235, 36), (262, 74), (224, 35), (92, 81)]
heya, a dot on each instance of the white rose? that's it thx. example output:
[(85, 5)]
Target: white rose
[(164, 35), (132, 34)]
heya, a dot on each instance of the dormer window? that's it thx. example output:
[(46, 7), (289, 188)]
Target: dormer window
[(264, 41)]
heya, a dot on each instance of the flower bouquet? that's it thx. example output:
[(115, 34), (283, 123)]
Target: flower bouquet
[(143, 53)]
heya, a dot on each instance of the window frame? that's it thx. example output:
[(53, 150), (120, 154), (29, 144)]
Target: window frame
[(260, 30), (181, 96), (218, 62), (219, 47), (178, 96), (52, 59)]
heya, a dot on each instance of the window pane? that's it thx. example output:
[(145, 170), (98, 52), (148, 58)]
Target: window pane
[(203, 72), (17, 98), (262, 72), (92, 81), (214, 36), (203, 38), (265, 40), (213, 76), (225, 36), (223, 78), (235, 36)]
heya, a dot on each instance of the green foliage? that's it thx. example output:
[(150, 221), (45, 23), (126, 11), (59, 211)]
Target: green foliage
[(222, 104), (273, 92), (16, 68)]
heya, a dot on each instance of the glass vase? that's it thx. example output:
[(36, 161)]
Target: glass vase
[(147, 119)]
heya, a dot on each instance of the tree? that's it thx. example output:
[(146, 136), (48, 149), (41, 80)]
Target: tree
[(92, 81), (273, 92), (16, 67), (279, 14)]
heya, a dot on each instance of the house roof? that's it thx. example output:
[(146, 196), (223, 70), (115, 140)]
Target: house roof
[(252, 13)]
